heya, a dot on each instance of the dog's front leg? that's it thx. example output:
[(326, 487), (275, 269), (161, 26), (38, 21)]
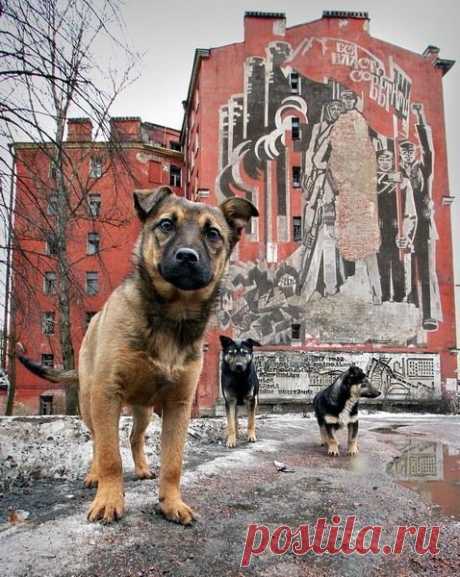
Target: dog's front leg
[(232, 423), (353, 438), (251, 405), (109, 502), (332, 445), (175, 417)]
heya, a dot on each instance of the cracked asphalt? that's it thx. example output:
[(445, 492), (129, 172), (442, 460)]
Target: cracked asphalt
[(407, 473)]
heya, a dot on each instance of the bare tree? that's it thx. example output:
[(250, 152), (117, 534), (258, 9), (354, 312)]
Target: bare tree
[(49, 71)]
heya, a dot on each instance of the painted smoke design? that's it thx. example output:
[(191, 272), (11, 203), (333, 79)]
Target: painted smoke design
[(363, 268)]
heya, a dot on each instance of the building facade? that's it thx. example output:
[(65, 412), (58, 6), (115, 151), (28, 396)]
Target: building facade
[(101, 177), (339, 139)]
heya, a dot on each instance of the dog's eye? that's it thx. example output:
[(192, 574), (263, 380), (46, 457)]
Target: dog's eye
[(166, 225), (212, 234)]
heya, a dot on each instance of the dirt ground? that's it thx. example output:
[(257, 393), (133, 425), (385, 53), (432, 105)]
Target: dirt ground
[(407, 473)]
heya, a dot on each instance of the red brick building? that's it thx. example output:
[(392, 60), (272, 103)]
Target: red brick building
[(101, 235), (339, 140)]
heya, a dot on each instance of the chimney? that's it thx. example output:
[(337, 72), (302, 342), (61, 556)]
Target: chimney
[(79, 130), (261, 28), (125, 129), (350, 19)]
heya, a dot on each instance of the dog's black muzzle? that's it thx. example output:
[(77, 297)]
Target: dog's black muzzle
[(368, 390), (186, 269)]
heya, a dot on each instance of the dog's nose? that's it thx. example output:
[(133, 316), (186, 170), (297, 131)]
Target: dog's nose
[(187, 255)]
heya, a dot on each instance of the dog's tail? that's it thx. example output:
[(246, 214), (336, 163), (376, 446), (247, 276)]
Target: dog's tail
[(50, 374)]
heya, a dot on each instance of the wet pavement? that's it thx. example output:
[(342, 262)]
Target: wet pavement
[(407, 474)]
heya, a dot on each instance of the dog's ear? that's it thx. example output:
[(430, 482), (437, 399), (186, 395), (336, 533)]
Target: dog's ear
[(146, 201), (238, 212), (225, 341), (251, 343)]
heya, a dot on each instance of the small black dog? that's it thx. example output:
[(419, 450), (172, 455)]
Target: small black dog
[(337, 406), (239, 385)]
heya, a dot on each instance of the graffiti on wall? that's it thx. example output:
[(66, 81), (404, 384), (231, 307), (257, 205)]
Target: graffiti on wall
[(362, 265), (299, 375)]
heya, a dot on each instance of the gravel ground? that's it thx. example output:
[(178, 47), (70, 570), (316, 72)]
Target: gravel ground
[(407, 473)]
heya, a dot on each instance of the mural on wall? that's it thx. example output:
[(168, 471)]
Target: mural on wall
[(299, 375), (360, 154)]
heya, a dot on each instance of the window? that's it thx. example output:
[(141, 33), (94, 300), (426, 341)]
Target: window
[(94, 205), (46, 405), (47, 360), (52, 207), (51, 244), (295, 332), (93, 243), (294, 82), (92, 283), (297, 228), (88, 316), (48, 321), (296, 176), (174, 145), (49, 283), (95, 167), (295, 128), (53, 170), (174, 175)]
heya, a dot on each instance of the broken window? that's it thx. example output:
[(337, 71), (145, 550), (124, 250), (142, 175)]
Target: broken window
[(93, 243), (295, 332), (174, 175), (51, 244), (94, 205), (46, 405), (297, 228), (49, 283), (48, 321), (47, 360), (294, 81), (92, 283), (295, 128), (296, 176), (95, 167)]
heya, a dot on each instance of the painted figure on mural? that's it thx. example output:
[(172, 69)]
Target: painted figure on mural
[(394, 258), (319, 212), (419, 172)]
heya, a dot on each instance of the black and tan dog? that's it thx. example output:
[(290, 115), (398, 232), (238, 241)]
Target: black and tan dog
[(240, 385), (336, 406), (145, 346)]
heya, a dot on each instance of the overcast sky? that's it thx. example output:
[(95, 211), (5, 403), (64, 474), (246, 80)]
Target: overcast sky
[(168, 32)]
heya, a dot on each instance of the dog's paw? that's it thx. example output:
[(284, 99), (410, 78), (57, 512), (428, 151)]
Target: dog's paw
[(144, 472), (333, 451), (231, 441), (177, 511), (353, 450), (108, 505), (252, 437), (91, 480)]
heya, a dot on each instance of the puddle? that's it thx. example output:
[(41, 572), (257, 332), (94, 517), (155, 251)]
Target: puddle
[(390, 429), (432, 470)]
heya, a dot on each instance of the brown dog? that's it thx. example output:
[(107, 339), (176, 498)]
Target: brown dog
[(145, 346)]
